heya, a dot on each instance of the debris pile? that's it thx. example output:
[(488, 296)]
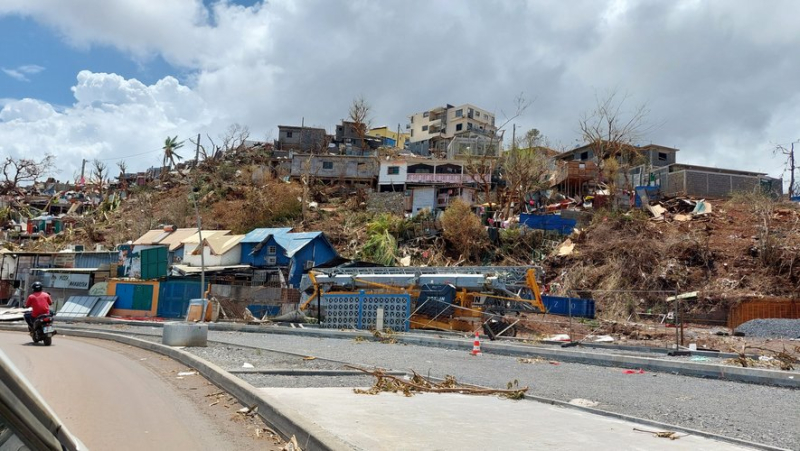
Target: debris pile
[(418, 384)]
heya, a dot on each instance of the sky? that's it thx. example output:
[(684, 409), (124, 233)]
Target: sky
[(110, 80)]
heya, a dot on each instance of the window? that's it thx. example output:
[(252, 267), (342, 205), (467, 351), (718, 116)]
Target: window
[(288, 134), (460, 113), (477, 114), (662, 156), (272, 261), (424, 128), (469, 125), (459, 127), (327, 165), (412, 119), (584, 156), (393, 170), (271, 250), (425, 114), (412, 132)]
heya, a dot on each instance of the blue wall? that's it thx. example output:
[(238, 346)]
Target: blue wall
[(259, 259), (319, 250), (174, 296)]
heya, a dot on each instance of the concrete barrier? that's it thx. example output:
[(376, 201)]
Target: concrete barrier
[(185, 334)]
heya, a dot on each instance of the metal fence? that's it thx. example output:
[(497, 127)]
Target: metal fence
[(756, 309)]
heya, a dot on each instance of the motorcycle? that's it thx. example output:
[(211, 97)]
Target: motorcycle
[(43, 329)]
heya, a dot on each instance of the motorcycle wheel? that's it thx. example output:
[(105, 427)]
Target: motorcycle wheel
[(48, 341)]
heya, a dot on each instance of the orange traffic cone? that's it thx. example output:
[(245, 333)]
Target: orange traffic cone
[(476, 345)]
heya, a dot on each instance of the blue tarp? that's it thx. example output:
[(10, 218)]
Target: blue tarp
[(653, 193), (548, 222)]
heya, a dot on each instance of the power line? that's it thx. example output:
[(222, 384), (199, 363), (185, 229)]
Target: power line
[(127, 156)]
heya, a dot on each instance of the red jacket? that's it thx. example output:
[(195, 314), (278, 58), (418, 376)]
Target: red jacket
[(40, 302)]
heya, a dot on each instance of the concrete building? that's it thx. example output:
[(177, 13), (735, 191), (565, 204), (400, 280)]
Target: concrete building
[(336, 168), (389, 138), (303, 139), (351, 142), (399, 173), (454, 131)]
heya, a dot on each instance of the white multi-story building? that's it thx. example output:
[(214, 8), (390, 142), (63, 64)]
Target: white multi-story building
[(453, 131)]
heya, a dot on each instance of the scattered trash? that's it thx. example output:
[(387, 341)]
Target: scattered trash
[(766, 358), (213, 404), (292, 445), (247, 365), (583, 402), (553, 362), (405, 261), (558, 337), (531, 360), (702, 208), (248, 411), (604, 339), (566, 248), (639, 371), (187, 373), (672, 435), (682, 218)]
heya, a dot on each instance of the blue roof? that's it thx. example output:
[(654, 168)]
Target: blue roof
[(293, 242), (256, 236)]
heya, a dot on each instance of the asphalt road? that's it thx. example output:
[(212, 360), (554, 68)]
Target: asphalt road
[(110, 400)]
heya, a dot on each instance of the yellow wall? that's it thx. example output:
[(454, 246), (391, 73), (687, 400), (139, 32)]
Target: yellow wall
[(385, 132), (112, 291)]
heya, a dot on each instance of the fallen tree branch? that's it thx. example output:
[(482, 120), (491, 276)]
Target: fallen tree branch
[(388, 383)]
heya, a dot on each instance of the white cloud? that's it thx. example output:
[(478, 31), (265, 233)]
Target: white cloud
[(718, 76), (20, 73), (112, 118)]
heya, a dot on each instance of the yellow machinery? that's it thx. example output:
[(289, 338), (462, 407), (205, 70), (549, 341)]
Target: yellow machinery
[(462, 305)]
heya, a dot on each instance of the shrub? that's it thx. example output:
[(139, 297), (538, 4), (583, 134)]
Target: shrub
[(463, 230)]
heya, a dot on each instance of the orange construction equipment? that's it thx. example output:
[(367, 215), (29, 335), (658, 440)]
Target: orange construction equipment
[(476, 345)]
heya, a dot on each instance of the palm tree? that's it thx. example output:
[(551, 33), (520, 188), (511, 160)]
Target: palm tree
[(170, 146)]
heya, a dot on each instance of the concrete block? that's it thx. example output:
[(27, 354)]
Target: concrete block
[(185, 334)]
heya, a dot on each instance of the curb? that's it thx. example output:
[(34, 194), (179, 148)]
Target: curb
[(278, 415), (691, 369)]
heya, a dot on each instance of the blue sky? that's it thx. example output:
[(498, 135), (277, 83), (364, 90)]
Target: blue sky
[(24, 42), (110, 80)]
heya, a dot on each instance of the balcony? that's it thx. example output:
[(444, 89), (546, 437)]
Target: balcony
[(449, 179)]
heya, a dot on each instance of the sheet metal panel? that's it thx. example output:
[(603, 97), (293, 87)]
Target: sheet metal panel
[(102, 306), (77, 307)]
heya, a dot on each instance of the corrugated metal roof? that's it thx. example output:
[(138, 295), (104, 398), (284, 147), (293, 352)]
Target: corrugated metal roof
[(293, 242), (175, 239), (258, 235), (152, 237), (192, 242), (186, 269), (221, 244)]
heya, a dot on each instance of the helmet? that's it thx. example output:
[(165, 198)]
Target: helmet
[(37, 286)]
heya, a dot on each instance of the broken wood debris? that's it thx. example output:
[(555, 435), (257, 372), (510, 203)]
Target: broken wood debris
[(418, 384), (672, 435)]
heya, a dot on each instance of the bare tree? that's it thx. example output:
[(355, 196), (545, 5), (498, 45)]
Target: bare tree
[(480, 165), (235, 137), (99, 174), (791, 165), (123, 169), (21, 170), (524, 168), (359, 115), (612, 133)]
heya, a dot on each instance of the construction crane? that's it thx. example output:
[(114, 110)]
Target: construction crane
[(443, 298)]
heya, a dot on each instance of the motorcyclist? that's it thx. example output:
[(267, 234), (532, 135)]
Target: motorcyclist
[(40, 303)]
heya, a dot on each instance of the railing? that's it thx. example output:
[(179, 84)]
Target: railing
[(446, 178)]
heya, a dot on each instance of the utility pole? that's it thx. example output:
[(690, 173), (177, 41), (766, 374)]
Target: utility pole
[(197, 152), (397, 138), (83, 168), (513, 136)]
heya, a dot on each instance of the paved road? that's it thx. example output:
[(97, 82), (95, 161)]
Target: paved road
[(111, 401)]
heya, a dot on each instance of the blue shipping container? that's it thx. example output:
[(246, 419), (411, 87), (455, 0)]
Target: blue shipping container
[(576, 307)]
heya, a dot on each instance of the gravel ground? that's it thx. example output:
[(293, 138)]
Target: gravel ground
[(771, 328), (762, 414), (264, 380)]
